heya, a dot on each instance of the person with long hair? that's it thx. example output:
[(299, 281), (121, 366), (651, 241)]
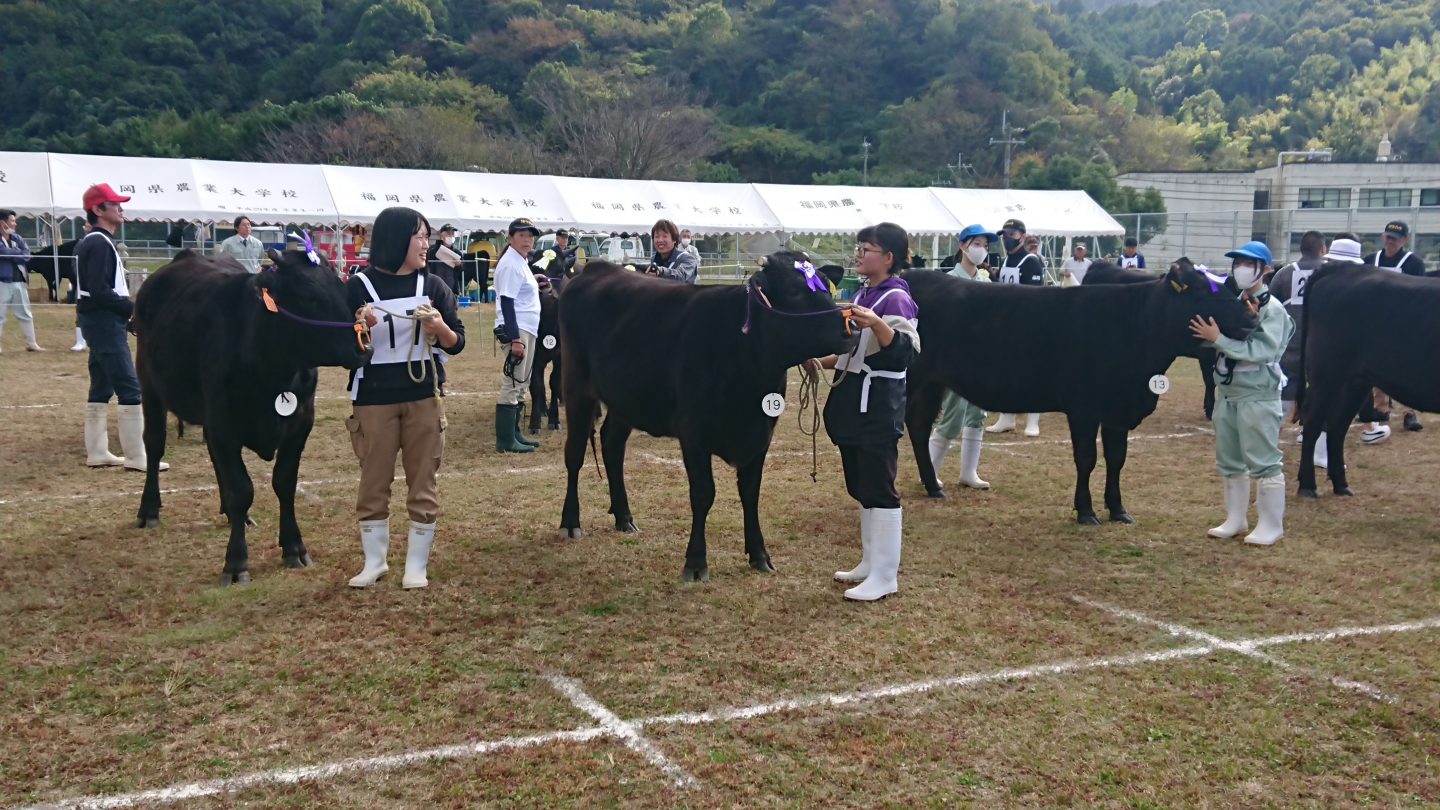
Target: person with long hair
[(865, 412), (397, 396)]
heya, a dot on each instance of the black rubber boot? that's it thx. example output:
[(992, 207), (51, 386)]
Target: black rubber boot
[(506, 418), (520, 427)]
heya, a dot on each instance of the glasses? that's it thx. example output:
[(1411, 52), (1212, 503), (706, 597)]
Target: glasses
[(861, 250)]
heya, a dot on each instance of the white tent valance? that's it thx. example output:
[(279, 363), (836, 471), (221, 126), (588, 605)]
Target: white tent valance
[(36, 183)]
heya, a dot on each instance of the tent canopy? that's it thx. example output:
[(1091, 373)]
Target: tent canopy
[(167, 189)]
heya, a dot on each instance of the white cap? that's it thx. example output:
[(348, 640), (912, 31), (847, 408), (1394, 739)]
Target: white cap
[(1344, 250)]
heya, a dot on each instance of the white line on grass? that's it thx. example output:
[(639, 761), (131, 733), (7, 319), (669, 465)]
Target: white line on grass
[(1240, 648), (475, 749), (626, 732)]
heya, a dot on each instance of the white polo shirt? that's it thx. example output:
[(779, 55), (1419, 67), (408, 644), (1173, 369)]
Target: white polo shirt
[(514, 279)]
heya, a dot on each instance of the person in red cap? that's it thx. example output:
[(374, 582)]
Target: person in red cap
[(103, 306)]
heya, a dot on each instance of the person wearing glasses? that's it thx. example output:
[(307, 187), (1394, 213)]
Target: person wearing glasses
[(397, 406), (1020, 267), (865, 413)]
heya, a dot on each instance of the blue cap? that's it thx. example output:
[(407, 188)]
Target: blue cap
[(1252, 250), (977, 230)]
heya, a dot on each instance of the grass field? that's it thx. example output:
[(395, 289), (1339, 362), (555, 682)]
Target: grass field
[(1026, 661)]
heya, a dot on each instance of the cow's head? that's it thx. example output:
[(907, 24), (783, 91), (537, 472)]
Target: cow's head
[(310, 308), (1189, 292), (791, 311)]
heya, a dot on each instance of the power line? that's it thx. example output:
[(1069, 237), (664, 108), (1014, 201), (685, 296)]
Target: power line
[(1008, 141)]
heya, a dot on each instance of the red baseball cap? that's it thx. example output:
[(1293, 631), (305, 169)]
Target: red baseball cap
[(101, 193)]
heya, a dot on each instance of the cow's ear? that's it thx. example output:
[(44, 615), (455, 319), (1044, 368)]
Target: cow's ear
[(273, 255), (1179, 279)]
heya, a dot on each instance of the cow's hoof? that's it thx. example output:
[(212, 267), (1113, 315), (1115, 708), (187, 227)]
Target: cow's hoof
[(555, 426), (569, 533), (1121, 517), (626, 525), (696, 574), (762, 564), (147, 522), (534, 431), (937, 493), (228, 578), (1346, 491), (293, 561), (1088, 520), (1305, 492)]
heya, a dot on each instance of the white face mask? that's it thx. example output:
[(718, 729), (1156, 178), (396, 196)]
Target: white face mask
[(977, 254), (1246, 275), (448, 240)]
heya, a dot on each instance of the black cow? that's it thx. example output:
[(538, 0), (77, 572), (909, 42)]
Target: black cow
[(1104, 273), (1363, 328), (547, 356), (55, 263), (1127, 333), (690, 362), (219, 347)]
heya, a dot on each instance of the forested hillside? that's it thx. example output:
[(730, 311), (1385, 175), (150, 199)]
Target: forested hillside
[(761, 91)]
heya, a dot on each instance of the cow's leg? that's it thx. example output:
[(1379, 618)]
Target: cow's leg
[(580, 416), (747, 478), (1309, 434), (1117, 444), (555, 396), (237, 494), (537, 396), (1335, 430), (1207, 373), (613, 436), (1082, 444), (919, 421), (702, 497), (152, 408), (284, 478)]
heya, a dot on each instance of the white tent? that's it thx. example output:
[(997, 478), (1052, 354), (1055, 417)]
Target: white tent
[(914, 209), (361, 193), (813, 209), (493, 201), (613, 205), (25, 183), (266, 192), (161, 189), (1045, 213), (716, 208)]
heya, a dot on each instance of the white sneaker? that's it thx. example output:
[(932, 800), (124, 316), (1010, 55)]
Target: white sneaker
[(1375, 434)]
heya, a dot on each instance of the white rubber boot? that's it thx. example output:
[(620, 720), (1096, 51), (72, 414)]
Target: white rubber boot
[(375, 541), (27, 328), (885, 526), (417, 555), (1004, 424), (1322, 452), (97, 437), (131, 422), (861, 571), (1237, 505), (971, 440), (939, 447), (80, 344), (1032, 425), (1270, 505)]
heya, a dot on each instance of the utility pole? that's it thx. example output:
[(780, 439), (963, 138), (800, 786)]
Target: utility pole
[(960, 168), (865, 170), (1008, 141)]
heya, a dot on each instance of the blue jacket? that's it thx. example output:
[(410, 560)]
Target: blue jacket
[(13, 253)]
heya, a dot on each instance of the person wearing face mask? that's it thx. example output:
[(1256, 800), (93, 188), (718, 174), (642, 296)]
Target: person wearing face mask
[(688, 243), (1247, 408), (442, 259), (959, 418), (1020, 267)]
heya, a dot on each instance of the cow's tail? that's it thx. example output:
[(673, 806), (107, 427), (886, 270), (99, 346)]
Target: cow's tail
[(1304, 340)]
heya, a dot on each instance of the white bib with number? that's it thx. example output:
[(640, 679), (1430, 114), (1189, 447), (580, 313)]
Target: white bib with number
[(396, 340), (1010, 275)]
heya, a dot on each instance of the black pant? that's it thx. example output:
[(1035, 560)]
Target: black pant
[(870, 473), (112, 370)]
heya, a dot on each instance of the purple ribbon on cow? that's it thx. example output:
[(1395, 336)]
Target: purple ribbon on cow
[(1216, 281), (812, 279), (309, 245)]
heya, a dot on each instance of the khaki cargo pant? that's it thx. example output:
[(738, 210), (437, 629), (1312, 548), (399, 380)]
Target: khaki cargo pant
[(416, 430), (511, 391)]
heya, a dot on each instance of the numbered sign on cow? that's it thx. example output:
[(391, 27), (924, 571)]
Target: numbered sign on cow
[(548, 342), (773, 405), (1159, 385)]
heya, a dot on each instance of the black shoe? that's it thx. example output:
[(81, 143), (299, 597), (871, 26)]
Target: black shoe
[(1412, 422)]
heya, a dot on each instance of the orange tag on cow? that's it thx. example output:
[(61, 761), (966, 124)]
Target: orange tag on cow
[(269, 302)]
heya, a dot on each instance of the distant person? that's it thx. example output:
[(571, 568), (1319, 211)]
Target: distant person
[(1020, 267), (1288, 285), (1132, 258), (566, 252), (688, 242), (15, 280), (1395, 257), (242, 247), (1073, 270), (517, 316), (670, 260), (442, 260)]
